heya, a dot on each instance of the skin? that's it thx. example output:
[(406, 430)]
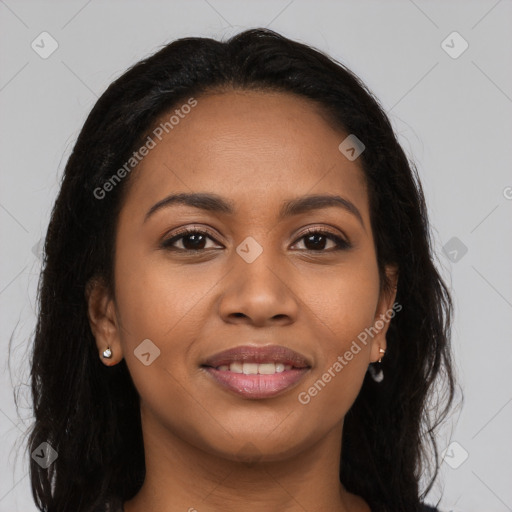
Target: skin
[(206, 448)]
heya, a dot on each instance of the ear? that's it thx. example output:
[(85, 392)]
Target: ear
[(386, 310), (103, 320)]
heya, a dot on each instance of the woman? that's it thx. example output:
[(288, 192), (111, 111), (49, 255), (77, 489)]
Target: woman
[(239, 308)]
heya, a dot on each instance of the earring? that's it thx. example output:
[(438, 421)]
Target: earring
[(107, 354), (377, 375)]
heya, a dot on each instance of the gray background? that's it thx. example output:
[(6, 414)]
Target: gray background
[(453, 117)]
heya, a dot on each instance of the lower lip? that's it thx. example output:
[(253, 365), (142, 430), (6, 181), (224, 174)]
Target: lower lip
[(258, 386)]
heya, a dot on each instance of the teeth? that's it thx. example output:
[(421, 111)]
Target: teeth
[(255, 368), (250, 368), (236, 367), (267, 368)]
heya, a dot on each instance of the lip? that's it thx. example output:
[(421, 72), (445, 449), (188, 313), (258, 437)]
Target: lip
[(262, 354), (258, 386)]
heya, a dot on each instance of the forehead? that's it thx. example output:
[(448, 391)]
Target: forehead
[(247, 145)]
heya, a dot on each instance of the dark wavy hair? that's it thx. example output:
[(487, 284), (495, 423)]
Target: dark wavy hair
[(89, 413)]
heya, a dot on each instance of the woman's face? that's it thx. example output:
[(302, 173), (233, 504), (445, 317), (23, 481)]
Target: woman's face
[(255, 279)]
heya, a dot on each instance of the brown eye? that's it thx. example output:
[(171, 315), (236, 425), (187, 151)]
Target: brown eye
[(316, 240), (191, 240)]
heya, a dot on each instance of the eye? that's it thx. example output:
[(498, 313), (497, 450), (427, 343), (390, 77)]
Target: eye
[(317, 239), (191, 240)]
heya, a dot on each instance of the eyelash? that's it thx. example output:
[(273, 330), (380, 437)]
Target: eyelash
[(341, 244)]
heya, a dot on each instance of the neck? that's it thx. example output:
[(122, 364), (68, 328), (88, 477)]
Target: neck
[(180, 476)]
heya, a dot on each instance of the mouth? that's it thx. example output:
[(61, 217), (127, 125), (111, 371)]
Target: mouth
[(257, 372), (252, 368)]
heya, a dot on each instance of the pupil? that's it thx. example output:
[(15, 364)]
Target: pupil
[(197, 239), (314, 238)]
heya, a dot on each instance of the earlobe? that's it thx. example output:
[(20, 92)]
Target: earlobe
[(103, 321)]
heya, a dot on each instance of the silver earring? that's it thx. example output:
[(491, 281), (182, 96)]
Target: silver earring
[(107, 354), (377, 375)]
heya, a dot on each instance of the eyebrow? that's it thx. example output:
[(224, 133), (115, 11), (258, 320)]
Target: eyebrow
[(217, 204)]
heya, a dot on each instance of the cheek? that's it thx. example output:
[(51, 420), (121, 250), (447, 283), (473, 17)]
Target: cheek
[(155, 298), (157, 301), (342, 308), (344, 301)]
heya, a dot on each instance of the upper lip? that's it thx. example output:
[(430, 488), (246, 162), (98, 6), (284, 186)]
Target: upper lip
[(258, 354)]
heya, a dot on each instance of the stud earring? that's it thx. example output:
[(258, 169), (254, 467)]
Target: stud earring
[(107, 354)]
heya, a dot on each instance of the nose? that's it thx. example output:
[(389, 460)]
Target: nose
[(259, 293)]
